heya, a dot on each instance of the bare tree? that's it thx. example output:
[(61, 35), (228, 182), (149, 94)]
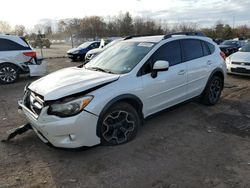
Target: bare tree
[(19, 30), (5, 27)]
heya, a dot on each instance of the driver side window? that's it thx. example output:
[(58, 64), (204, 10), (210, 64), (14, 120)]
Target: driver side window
[(170, 52)]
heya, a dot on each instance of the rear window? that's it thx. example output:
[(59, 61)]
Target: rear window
[(192, 49), (205, 48), (211, 47), (9, 45)]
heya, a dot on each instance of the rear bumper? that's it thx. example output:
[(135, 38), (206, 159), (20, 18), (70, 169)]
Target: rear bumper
[(71, 132), (38, 68)]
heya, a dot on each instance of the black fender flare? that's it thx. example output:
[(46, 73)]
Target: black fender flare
[(131, 99), (216, 71)]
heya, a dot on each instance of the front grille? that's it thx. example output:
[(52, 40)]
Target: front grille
[(241, 63), (240, 70), (33, 102)]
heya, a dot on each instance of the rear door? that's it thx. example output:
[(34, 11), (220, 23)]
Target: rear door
[(169, 87), (193, 51)]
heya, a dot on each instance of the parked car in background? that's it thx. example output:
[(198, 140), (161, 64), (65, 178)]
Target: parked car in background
[(17, 57), (239, 62), (80, 52), (106, 100), (92, 53), (230, 46), (218, 41)]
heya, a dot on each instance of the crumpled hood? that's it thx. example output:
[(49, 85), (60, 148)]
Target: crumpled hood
[(240, 57), (69, 81)]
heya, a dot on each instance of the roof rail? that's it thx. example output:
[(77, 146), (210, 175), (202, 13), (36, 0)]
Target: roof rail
[(185, 33), (131, 36)]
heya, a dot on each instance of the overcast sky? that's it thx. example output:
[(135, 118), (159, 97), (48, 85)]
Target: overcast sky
[(205, 12)]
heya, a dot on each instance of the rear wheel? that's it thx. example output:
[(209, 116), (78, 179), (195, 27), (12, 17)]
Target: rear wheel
[(119, 124), (212, 92), (8, 73)]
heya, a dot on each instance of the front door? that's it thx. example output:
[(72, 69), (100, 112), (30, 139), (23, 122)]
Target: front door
[(169, 87)]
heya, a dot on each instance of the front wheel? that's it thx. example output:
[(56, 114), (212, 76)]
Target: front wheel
[(212, 92), (119, 124), (8, 73)]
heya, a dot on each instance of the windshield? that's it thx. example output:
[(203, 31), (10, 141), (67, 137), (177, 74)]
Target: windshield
[(246, 48), (120, 58), (85, 45), (229, 42), (112, 43)]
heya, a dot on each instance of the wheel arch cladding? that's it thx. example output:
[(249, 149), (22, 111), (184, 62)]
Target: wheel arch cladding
[(217, 72), (131, 99), (13, 64)]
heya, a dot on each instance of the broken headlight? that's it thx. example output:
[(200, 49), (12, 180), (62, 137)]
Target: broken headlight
[(69, 107)]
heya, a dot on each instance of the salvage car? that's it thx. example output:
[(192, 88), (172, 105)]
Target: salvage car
[(106, 100), (17, 57), (239, 62), (230, 46), (80, 52)]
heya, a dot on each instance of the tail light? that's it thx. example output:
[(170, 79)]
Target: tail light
[(222, 54), (30, 54)]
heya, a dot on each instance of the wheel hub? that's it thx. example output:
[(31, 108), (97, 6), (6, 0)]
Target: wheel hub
[(215, 90), (118, 126), (8, 74)]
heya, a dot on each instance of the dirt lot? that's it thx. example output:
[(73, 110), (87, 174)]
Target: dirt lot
[(56, 50), (190, 145)]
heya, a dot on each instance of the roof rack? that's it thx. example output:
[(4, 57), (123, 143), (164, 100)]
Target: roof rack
[(200, 34), (131, 36)]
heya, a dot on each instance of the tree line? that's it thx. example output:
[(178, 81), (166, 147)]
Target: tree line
[(122, 25)]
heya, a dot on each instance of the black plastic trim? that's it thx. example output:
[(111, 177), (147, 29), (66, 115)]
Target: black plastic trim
[(115, 100)]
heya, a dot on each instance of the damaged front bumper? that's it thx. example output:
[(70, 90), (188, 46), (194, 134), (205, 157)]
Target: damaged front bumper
[(70, 132)]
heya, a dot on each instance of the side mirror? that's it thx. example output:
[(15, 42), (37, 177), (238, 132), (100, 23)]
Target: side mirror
[(159, 65)]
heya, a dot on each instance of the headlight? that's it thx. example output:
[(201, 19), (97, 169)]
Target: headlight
[(228, 60), (76, 52), (69, 107)]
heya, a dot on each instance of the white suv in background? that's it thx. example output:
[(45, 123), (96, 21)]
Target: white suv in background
[(106, 100), (15, 57)]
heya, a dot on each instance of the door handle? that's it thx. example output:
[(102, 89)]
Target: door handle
[(209, 62), (181, 72)]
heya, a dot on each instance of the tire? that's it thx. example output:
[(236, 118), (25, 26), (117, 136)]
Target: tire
[(212, 92), (119, 124), (9, 73)]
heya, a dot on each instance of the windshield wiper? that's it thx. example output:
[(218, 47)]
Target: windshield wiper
[(101, 70)]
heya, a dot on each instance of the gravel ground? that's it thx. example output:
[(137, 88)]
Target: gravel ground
[(56, 50), (187, 146)]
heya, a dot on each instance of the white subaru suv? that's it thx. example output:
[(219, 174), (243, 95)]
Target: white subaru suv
[(17, 57), (106, 100)]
